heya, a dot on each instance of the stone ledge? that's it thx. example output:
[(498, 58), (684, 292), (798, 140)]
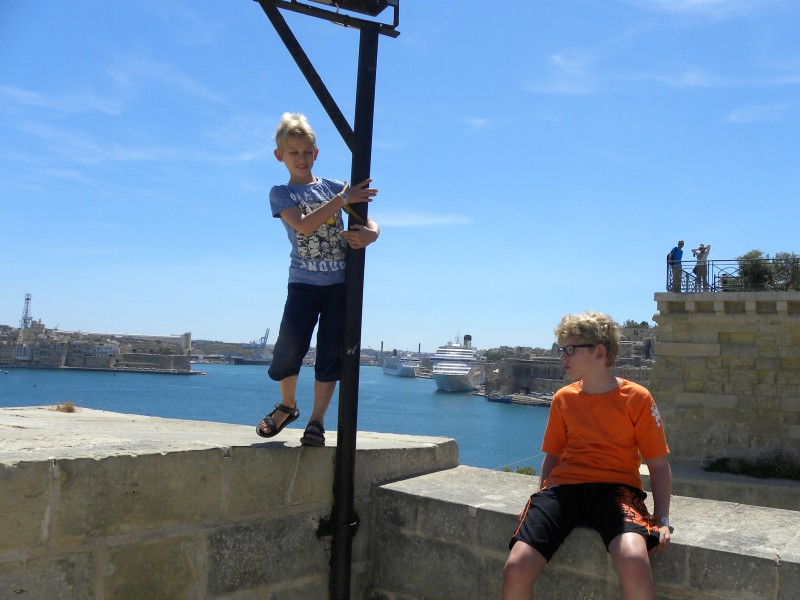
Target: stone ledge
[(97, 505), (39, 433), (720, 550), (694, 482)]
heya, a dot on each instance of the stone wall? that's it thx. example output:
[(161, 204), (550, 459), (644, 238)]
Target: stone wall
[(133, 507), (445, 537), (727, 374), (97, 505)]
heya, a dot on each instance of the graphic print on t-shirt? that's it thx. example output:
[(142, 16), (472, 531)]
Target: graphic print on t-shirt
[(326, 243), (656, 414)]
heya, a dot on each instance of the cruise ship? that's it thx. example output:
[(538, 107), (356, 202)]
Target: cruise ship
[(456, 368), (402, 365)]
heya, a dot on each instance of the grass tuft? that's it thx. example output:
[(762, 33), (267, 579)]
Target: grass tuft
[(521, 470)]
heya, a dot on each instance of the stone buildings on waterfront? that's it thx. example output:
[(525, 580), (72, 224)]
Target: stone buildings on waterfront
[(545, 375), (37, 346)]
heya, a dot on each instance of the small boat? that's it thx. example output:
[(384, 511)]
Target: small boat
[(499, 398), (257, 360)]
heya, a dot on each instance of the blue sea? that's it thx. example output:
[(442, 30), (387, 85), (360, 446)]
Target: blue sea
[(489, 434)]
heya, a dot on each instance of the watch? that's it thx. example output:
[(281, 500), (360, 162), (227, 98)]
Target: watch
[(344, 197), (664, 521)]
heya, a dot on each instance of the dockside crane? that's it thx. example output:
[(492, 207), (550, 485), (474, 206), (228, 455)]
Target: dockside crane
[(27, 319)]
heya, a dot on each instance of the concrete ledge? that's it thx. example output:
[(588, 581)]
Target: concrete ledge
[(96, 504), (694, 482), (169, 509), (465, 517)]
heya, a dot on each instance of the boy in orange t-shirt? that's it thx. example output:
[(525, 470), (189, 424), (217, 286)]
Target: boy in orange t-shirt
[(600, 427)]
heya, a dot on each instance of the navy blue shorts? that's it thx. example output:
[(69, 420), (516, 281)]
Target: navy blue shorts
[(610, 508), (305, 304)]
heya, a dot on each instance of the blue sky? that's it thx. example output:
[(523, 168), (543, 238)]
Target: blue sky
[(533, 159)]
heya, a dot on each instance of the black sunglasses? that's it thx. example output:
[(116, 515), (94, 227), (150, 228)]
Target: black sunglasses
[(570, 349)]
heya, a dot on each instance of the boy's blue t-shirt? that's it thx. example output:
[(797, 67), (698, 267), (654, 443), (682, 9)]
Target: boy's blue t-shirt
[(317, 259)]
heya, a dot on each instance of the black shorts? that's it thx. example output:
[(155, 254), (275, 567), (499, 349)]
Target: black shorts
[(610, 508), (305, 304)]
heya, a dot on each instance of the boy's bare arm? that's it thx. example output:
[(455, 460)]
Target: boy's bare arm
[(308, 224), (661, 485), (548, 464), (361, 236)]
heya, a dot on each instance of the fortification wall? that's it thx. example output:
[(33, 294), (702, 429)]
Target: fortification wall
[(727, 374), (134, 507)]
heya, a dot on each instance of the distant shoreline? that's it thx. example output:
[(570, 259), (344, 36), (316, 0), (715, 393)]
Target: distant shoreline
[(109, 370)]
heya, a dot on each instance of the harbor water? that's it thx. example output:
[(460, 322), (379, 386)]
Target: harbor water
[(490, 435)]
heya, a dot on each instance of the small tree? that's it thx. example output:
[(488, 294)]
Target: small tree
[(636, 324), (755, 271), (787, 271)]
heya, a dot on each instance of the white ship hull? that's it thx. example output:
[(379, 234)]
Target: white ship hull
[(457, 377), (452, 383), (400, 366)]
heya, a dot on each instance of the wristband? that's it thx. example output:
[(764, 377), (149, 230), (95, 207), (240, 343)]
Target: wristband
[(344, 197)]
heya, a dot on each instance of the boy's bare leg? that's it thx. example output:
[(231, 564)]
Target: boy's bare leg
[(288, 388), (323, 392), (523, 566), (629, 555)]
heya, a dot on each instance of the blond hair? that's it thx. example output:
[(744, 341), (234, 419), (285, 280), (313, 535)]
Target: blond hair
[(294, 125), (593, 328)]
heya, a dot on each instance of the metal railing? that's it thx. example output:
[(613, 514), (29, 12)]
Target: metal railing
[(741, 275)]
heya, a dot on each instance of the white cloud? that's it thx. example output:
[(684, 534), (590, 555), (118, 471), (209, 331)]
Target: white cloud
[(567, 74), (65, 104), (716, 8), (478, 122), (770, 113)]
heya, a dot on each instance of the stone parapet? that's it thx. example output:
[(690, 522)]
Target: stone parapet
[(727, 378), (102, 505), (445, 536), (97, 505)]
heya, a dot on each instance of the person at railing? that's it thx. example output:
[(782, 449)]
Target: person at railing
[(674, 261), (701, 268)]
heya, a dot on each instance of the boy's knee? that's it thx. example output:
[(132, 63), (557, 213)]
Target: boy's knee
[(523, 565)]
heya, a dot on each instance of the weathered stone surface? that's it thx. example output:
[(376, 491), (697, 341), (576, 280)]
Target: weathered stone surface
[(272, 476), (249, 555), (749, 377), (164, 569), (60, 578), (24, 504), (730, 575), (127, 493)]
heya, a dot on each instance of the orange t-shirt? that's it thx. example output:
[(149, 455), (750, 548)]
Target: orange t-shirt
[(602, 438)]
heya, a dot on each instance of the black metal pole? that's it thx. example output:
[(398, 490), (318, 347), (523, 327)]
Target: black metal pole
[(308, 70), (344, 517)]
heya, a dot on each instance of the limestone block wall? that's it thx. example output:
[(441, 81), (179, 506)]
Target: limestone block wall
[(445, 537), (727, 374), (230, 522)]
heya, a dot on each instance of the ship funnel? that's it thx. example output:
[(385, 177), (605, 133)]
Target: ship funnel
[(468, 340)]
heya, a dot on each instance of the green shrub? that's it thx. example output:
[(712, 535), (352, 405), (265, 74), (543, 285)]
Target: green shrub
[(521, 470), (773, 464)]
